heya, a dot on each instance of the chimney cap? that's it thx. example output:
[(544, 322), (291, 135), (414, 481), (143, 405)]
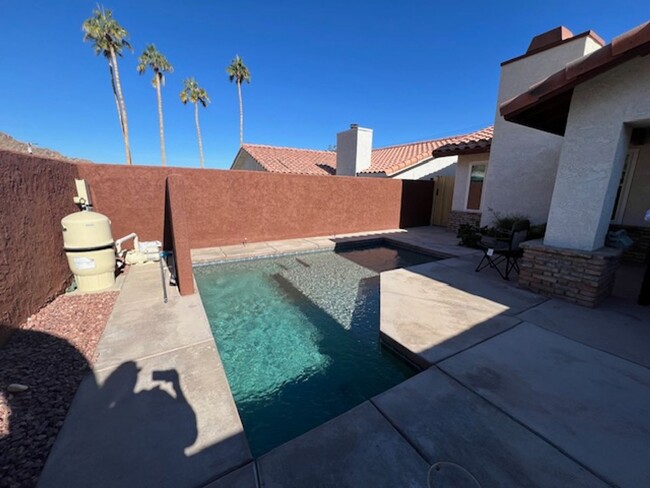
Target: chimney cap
[(549, 38)]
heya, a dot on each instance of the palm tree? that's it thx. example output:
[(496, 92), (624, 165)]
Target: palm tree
[(154, 59), (109, 38), (238, 72), (193, 93)]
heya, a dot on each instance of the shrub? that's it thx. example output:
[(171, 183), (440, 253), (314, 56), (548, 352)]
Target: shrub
[(469, 235)]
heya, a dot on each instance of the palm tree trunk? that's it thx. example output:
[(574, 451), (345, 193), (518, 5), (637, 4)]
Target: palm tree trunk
[(241, 116), (120, 97), (198, 131), (117, 103), (160, 119)]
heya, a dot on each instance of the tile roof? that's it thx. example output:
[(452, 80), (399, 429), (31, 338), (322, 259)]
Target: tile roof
[(545, 105), (389, 160), (476, 142), (277, 159)]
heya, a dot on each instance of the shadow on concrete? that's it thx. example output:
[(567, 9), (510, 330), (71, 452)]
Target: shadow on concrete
[(538, 360), (130, 427)]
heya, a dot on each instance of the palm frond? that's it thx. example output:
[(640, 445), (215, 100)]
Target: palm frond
[(237, 71), (193, 93), (106, 34)]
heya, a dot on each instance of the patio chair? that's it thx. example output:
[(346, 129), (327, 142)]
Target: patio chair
[(504, 249)]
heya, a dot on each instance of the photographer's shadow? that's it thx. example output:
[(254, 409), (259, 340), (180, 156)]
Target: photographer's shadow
[(133, 427)]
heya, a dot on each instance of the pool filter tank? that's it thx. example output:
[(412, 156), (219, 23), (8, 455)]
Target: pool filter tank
[(89, 247)]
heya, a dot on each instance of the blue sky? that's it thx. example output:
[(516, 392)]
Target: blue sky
[(410, 70)]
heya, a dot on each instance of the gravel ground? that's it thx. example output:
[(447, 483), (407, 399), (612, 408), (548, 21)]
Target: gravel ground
[(50, 354)]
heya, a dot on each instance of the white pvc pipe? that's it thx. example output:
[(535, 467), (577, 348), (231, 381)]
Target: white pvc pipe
[(122, 240)]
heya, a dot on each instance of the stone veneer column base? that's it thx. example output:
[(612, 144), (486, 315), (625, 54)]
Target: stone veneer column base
[(457, 218), (582, 277)]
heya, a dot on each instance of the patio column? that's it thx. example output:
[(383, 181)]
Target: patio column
[(572, 262), (588, 175)]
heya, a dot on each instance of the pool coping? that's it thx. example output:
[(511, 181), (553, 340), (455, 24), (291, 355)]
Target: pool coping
[(294, 247)]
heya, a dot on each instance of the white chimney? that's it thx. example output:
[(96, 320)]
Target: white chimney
[(353, 150)]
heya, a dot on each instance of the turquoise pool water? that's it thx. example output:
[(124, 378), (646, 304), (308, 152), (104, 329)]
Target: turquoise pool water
[(299, 336)]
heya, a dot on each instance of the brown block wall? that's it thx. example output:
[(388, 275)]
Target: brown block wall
[(581, 277), (35, 194)]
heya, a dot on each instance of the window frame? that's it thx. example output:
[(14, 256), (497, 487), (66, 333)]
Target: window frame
[(469, 182)]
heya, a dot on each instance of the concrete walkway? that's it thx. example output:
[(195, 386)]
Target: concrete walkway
[(157, 409)]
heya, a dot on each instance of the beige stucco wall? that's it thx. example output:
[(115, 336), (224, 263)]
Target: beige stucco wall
[(461, 182), (246, 162), (426, 170), (603, 111), (523, 161), (639, 196)]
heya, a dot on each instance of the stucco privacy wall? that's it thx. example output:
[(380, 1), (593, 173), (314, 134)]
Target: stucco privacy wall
[(227, 206), (235, 206), (523, 161), (36, 193), (603, 111), (221, 207), (133, 197)]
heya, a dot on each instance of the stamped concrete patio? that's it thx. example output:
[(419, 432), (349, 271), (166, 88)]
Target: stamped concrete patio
[(516, 389)]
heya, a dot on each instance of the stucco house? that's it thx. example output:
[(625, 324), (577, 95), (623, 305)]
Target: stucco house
[(355, 156), (571, 148)]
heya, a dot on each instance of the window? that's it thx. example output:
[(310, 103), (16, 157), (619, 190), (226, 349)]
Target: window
[(624, 186), (476, 177)]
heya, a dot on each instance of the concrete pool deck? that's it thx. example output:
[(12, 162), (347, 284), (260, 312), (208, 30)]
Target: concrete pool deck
[(516, 389)]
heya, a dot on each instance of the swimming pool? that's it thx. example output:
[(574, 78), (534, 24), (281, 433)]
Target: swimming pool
[(299, 336)]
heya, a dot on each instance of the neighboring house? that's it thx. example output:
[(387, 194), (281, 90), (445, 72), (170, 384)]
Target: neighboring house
[(571, 148), (354, 156)]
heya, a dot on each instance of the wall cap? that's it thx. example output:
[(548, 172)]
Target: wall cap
[(602, 253)]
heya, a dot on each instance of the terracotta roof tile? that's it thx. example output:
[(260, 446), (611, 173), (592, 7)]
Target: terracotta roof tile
[(476, 142), (291, 160), (389, 160)]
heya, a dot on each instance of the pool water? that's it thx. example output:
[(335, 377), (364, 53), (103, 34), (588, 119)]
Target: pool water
[(299, 336)]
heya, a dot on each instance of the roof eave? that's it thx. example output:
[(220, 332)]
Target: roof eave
[(461, 151), (545, 106)]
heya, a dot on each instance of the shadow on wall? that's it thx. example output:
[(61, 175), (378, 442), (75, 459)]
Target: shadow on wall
[(121, 434)]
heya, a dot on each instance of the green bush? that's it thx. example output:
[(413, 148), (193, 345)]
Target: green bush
[(469, 235)]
